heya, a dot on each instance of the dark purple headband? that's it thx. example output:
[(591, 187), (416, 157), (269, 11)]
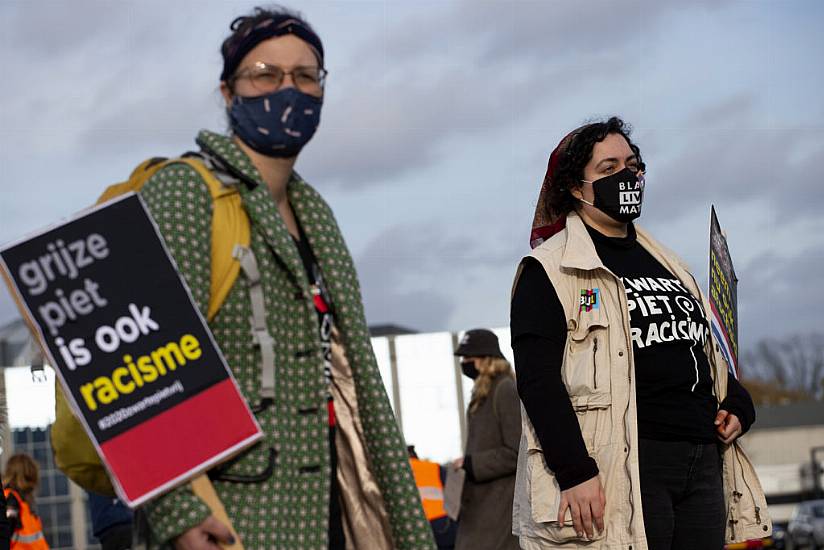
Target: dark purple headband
[(236, 47)]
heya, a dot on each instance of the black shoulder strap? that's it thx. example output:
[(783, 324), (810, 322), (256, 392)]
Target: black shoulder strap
[(216, 164)]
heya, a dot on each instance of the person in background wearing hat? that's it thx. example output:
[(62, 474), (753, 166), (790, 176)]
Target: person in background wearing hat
[(331, 471), (493, 434), (631, 417)]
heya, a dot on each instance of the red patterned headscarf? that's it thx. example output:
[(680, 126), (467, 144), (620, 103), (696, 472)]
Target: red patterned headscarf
[(545, 224)]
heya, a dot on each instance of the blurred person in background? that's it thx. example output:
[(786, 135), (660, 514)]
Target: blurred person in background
[(5, 527), (20, 481), (111, 522), (490, 458), (430, 477)]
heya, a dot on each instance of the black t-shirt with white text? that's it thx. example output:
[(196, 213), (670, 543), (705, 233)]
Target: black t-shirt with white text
[(668, 328)]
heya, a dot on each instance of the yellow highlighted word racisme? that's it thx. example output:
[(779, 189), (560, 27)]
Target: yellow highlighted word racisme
[(145, 370)]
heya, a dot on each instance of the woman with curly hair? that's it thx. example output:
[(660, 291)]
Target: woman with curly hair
[(631, 418)]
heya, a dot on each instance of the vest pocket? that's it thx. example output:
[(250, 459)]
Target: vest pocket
[(596, 426), (586, 369), (545, 499)]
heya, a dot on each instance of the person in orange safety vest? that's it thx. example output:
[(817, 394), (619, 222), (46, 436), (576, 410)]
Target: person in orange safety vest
[(429, 477), (20, 481)]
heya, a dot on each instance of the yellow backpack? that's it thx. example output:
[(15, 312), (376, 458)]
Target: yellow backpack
[(74, 453)]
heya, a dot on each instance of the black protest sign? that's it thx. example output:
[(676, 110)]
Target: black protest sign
[(723, 295), (125, 336)]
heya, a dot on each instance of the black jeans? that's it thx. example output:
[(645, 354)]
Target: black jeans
[(682, 495)]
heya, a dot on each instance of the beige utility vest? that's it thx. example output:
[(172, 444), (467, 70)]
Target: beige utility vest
[(599, 374)]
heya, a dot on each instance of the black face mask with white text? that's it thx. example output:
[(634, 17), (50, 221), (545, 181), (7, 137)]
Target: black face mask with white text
[(619, 195)]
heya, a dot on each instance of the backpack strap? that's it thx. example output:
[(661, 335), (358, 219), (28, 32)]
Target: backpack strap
[(260, 331), (230, 228), (230, 223), (139, 176), (231, 252)]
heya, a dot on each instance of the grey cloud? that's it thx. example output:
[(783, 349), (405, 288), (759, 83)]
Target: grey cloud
[(108, 75), (385, 133), (733, 113), (385, 268), (361, 158), (419, 310), (418, 275), (777, 296), (393, 109), (60, 28), (486, 67), (740, 165), (72, 30), (506, 32), (162, 121), (726, 152), (394, 128), (545, 31)]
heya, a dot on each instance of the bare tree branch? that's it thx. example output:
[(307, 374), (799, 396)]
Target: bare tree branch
[(793, 364)]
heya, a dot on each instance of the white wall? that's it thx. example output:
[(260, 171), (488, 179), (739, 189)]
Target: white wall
[(428, 394), (29, 403)]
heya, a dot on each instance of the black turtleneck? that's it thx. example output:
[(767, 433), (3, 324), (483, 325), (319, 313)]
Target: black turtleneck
[(668, 327)]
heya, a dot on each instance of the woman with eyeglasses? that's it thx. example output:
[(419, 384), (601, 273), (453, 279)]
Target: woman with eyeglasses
[(331, 471), (632, 419)]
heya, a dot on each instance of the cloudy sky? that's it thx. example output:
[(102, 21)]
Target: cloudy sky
[(438, 121)]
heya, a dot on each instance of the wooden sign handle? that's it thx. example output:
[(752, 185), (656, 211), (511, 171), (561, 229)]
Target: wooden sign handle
[(203, 488)]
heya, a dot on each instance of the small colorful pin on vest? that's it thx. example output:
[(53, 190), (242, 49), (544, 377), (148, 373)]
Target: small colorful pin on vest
[(589, 299)]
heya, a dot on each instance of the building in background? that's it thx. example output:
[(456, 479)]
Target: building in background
[(786, 445), (426, 388)]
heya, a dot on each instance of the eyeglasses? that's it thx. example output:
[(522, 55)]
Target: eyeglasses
[(266, 78)]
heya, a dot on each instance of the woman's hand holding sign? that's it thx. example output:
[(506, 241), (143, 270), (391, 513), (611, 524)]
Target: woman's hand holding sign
[(206, 536)]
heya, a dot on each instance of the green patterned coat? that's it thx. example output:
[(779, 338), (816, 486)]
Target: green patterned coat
[(290, 509)]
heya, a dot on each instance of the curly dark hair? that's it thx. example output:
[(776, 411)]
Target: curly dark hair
[(574, 158)]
